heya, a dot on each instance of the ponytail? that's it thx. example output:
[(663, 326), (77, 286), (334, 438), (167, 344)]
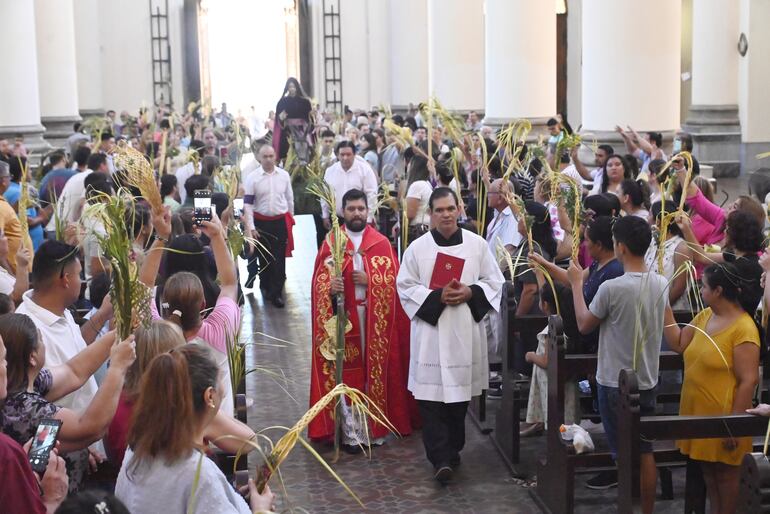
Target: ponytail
[(182, 300), (170, 402)]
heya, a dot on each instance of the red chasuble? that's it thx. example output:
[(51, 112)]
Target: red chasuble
[(383, 374)]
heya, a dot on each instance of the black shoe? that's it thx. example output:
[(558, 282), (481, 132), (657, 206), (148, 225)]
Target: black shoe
[(250, 281), (495, 393), (443, 475), (352, 449), (278, 302), (604, 480)]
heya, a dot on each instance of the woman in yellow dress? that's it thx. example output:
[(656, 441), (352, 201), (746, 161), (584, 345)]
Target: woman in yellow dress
[(721, 369)]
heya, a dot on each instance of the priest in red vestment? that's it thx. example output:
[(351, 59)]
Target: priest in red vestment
[(376, 347)]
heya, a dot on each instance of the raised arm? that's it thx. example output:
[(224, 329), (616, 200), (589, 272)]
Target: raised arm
[(746, 369), (586, 320), (23, 258), (579, 166), (162, 225), (228, 280), (678, 338), (699, 254), (631, 147), (642, 143), (91, 328)]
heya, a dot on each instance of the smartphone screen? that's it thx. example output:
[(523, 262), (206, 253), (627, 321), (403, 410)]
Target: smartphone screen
[(237, 207), (43, 442), (202, 205)]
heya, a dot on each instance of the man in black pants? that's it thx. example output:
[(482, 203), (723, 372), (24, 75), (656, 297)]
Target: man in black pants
[(268, 209)]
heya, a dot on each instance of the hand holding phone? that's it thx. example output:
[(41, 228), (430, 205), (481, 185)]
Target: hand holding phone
[(44, 441), (237, 207), (201, 206)]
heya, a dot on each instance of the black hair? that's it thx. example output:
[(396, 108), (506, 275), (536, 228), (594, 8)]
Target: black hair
[(369, 138), (740, 283), (15, 167), (398, 120), (605, 204), (744, 231), (656, 137), (418, 169), (439, 193), (107, 135), (352, 195), (599, 230), (50, 259), (327, 133), (220, 201), (95, 161), (300, 92), (167, 184), (195, 182), (686, 139), (607, 149), (638, 192), (187, 254), (542, 231), (566, 307), (344, 144), (98, 288), (551, 122), (655, 168), (136, 218), (95, 501), (98, 185), (6, 304), (76, 126), (626, 170), (669, 207), (164, 124), (634, 232), (81, 155), (56, 156)]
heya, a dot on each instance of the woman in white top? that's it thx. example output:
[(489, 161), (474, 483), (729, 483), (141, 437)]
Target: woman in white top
[(417, 196), (634, 198), (165, 468), (676, 253), (615, 170)]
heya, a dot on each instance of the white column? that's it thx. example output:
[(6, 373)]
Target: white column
[(754, 76), (20, 112), (57, 67), (631, 73), (456, 53), (88, 57), (520, 60), (712, 117), (408, 52), (714, 54)]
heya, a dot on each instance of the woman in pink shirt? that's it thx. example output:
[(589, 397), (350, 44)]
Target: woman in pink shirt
[(183, 297)]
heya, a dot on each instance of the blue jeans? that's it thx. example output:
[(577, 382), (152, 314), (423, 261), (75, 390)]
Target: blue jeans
[(609, 399)]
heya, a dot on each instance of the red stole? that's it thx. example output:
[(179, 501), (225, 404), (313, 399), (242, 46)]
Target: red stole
[(383, 377), (289, 220)]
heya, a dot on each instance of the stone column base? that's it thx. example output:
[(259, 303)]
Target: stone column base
[(33, 138), (58, 129), (89, 113), (716, 136)]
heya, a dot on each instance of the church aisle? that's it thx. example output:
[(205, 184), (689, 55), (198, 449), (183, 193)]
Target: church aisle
[(398, 478)]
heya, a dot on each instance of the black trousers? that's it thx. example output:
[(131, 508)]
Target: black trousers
[(272, 259), (443, 430)]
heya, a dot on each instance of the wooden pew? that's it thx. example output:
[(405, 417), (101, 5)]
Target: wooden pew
[(556, 473), (515, 392), (754, 495), (631, 426)]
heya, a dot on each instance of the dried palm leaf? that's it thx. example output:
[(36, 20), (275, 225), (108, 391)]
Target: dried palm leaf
[(138, 172)]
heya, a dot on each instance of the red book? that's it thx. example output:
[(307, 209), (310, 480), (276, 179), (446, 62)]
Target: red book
[(447, 267)]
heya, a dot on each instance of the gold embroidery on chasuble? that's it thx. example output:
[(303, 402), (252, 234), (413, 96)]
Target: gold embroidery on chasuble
[(382, 280), (323, 313)]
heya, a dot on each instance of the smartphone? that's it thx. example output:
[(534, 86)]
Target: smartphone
[(44, 441), (201, 205), (237, 207)]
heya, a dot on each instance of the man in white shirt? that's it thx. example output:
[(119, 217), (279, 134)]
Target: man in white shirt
[(56, 276), (346, 174), (74, 193), (502, 230), (593, 177), (268, 207)]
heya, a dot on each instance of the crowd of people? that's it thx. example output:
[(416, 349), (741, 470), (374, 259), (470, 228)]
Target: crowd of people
[(433, 223)]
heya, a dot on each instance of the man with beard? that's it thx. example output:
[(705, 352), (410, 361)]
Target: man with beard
[(376, 346)]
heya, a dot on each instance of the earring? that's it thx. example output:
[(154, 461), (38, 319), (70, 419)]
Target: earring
[(212, 405)]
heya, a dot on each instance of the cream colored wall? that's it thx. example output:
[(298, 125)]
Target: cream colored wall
[(754, 72)]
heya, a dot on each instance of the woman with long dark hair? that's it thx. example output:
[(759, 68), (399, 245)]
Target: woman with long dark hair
[(615, 170), (292, 118)]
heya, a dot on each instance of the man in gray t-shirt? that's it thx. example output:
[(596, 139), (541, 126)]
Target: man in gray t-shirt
[(631, 309), (629, 312)]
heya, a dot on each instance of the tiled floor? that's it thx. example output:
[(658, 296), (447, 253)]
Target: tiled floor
[(397, 478)]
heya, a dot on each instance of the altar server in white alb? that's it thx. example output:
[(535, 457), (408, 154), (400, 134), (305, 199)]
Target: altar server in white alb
[(448, 362)]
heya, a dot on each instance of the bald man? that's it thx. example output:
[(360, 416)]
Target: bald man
[(502, 230)]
